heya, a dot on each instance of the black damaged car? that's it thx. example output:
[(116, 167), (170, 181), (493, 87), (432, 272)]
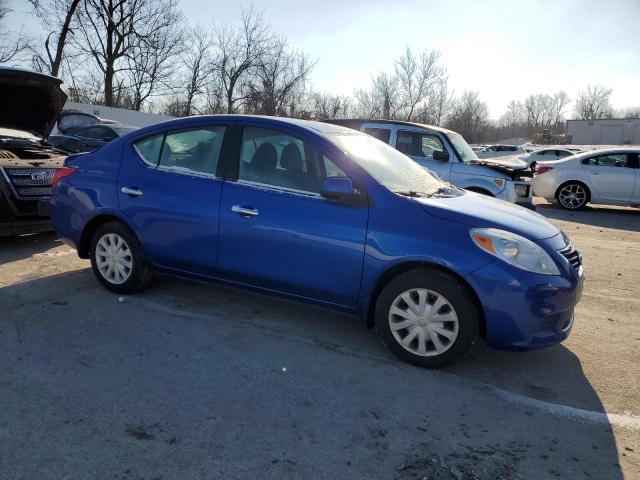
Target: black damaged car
[(31, 103)]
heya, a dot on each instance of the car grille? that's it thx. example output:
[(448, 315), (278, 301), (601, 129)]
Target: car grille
[(29, 183), (573, 255)]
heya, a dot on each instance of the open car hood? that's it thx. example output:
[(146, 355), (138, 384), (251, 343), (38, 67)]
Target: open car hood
[(512, 162), (30, 101)]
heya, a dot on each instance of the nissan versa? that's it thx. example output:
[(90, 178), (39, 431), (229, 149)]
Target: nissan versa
[(324, 214)]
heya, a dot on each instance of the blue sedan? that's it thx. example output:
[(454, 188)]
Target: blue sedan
[(322, 214)]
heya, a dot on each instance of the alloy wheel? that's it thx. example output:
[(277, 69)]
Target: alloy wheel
[(423, 322), (572, 196), (113, 258)]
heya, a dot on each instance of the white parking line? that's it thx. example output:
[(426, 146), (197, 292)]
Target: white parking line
[(587, 416)]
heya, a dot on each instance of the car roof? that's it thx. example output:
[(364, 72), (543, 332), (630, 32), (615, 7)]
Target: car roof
[(356, 123), (310, 125)]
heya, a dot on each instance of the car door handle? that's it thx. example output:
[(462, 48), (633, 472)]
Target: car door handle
[(245, 212), (131, 191), (595, 173)]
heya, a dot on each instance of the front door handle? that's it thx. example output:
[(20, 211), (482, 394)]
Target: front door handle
[(131, 191), (245, 212)]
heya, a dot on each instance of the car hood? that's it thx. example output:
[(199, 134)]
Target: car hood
[(481, 211), (30, 101), (512, 162)]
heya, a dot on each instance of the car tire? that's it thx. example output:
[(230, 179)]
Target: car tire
[(438, 338), (572, 195), (117, 259)]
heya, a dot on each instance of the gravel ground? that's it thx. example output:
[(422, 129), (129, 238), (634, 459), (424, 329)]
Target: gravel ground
[(191, 381)]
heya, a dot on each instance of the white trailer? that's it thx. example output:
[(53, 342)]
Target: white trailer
[(615, 131)]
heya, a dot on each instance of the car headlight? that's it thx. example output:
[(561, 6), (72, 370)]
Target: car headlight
[(515, 250)]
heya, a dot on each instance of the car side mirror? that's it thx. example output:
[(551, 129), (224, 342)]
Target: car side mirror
[(337, 188), (441, 155)]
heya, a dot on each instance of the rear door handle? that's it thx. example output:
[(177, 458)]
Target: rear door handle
[(245, 212), (131, 191)]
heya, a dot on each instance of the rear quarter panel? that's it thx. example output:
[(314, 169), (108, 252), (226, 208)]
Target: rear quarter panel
[(90, 191)]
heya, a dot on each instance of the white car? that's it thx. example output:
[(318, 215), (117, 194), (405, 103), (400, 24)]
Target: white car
[(609, 176), (492, 151), (547, 154)]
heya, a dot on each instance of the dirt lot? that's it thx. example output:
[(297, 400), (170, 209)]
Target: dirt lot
[(197, 381)]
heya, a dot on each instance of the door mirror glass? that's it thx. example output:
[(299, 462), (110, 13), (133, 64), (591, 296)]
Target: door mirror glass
[(441, 155), (336, 188)]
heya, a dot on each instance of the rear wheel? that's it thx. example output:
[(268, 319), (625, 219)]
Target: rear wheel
[(427, 318), (117, 259), (572, 195)]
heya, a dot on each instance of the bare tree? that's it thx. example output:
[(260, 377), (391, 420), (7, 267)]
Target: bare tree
[(470, 116), (630, 112), (197, 64), (240, 50), (111, 32), (277, 85), (418, 78), (150, 60), (594, 103), (559, 102), (58, 16), (12, 44), (324, 106), (382, 100)]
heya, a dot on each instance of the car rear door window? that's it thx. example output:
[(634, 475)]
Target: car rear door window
[(148, 149), (193, 151), (416, 144), (276, 159), (383, 134)]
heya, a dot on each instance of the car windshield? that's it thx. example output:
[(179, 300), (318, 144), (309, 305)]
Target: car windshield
[(462, 147), (388, 166)]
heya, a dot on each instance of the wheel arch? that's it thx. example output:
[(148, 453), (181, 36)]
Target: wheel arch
[(400, 268), (84, 245), (480, 190)]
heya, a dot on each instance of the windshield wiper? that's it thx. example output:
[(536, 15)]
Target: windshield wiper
[(410, 193)]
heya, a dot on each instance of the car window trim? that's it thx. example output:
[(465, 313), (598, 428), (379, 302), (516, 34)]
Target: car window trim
[(277, 188)]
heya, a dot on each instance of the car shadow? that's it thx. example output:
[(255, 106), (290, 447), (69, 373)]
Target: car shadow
[(23, 246), (553, 375), (596, 215)]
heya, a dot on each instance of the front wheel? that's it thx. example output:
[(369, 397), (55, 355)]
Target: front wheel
[(572, 196), (427, 318)]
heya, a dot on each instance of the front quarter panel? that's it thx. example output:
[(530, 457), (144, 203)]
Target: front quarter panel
[(402, 232)]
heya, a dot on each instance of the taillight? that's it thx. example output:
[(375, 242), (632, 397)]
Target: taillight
[(540, 170), (61, 173)]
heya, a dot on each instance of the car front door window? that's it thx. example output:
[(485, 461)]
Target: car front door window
[(279, 160)]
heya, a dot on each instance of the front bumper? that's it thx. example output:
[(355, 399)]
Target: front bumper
[(8, 229), (524, 310), (519, 192)]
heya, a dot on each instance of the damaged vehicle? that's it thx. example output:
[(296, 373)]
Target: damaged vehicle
[(31, 103), (447, 154)]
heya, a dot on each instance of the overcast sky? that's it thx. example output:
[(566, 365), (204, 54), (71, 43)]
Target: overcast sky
[(504, 49)]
